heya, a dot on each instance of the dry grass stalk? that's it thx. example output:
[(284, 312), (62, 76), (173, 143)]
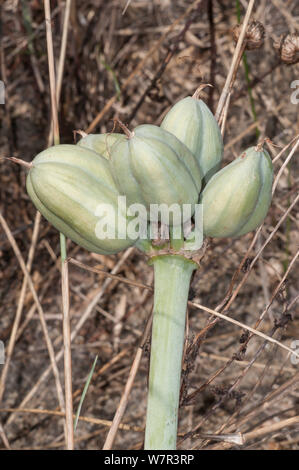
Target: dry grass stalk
[(55, 94)]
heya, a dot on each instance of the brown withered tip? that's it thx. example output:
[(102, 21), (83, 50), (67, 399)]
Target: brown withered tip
[(129, 134), (287, 47), (18, 161), (254, 37), (198, 92)]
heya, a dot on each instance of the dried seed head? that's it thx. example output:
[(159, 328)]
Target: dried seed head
[(288, 48), (254, 36)]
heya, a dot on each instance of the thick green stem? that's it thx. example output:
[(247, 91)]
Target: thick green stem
[(172, 281)]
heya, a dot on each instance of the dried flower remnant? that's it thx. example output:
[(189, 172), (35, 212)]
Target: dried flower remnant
[(254, 37), (288, 48)]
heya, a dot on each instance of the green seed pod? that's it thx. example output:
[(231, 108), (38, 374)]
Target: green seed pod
[(74, 190), (150, 171), (237, 198), (191, 121), (100, 143), (156, 132)]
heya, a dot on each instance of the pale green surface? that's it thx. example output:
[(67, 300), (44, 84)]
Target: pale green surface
[(184, 120), (58, 223), (148, 171), (67, 184), (121, 169), (163, 178), (237, 198), (211, 150), (155, 132), (172, 280), (78, 157), (192, 122), (100, 143), (265, 196)]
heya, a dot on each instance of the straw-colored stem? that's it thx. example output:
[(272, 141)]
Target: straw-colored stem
[(235, 62), (69, 430), (172, 281)]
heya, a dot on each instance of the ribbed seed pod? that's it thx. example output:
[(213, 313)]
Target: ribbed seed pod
[(69, 185), (150, 171), (155, 132), (237, 198), (100, 143), (191, 121)]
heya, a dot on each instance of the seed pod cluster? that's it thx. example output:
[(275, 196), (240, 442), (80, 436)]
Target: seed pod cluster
[(151, 165)]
